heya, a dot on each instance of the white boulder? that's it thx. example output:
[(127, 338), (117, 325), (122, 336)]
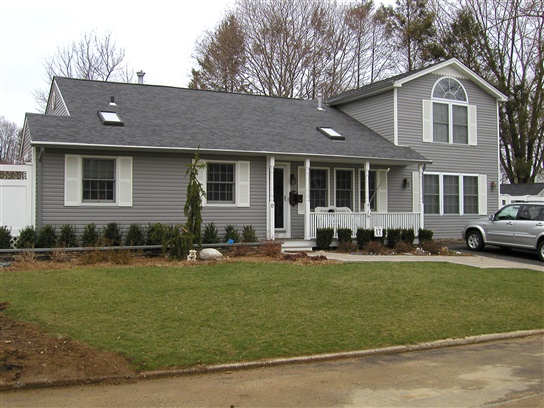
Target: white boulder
[(210, 254)]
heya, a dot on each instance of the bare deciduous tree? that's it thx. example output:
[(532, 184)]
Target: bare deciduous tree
[(9, 141), (94, 56)]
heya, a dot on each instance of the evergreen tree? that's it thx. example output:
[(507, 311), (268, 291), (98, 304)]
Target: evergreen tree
[(193, 204)]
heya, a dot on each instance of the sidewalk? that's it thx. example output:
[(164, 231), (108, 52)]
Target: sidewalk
[(468, 260)]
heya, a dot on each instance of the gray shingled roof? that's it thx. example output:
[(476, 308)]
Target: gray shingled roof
[(177, 118), (531, 189)]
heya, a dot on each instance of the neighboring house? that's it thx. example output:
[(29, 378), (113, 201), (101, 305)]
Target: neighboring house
[(515, 193), (417, 150)]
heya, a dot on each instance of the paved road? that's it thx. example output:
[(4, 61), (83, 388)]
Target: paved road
[(506, 373)]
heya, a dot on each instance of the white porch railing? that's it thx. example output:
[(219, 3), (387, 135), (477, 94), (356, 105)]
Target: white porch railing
[(354, 221)]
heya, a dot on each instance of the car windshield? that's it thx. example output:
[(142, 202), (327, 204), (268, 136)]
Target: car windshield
[(507, 213)]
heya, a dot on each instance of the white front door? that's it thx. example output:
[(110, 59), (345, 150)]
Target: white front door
[(282, 210)]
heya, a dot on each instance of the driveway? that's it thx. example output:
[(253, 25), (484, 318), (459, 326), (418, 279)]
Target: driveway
[(507, 373)]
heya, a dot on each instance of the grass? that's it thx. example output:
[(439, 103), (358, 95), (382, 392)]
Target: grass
[(209, 314)]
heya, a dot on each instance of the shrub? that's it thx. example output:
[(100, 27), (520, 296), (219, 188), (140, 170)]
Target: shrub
[(249, 234), (27, 238), (375, 248), (135, 235), (231, 233), (47, 237), (5, 237), (177, 242), (379, 239), (156, 233), (68, 236), (347, 246), (90, 236), (431, 247), (344, 235), (112, 234), (407, 236), (210, 235), (403, 247), (393, 237), (364, 236), (241, 250), (324, 237), (270, 248), (425, 235)]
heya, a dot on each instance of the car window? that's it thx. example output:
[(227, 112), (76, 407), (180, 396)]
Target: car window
[(532, 213), (508, 213)]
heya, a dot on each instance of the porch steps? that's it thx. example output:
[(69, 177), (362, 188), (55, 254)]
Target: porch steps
[(297, 245)]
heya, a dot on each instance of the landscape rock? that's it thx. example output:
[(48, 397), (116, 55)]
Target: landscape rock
[(210, 254)]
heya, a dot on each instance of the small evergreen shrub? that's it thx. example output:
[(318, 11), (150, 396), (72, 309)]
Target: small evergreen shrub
[(90, 236), (135, 235), (407, 236), (364, 236), (425, 235), (211, 234), (113, 235), (47, 237), (324, 237), (231, 233), (177, 242), (393, 237), (5, 237), (156, 233), (249, 234), (344, 235), (403, 248), (68, 236)]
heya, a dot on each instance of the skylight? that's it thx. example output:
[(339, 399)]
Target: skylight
[(110, 118), (331, 133)]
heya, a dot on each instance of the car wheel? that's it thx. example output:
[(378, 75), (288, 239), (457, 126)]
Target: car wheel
[(541, 250), (475, 241)]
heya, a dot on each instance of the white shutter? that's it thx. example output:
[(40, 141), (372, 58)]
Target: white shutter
[(472, 126), (482, 194), (202, 178), (72, 180), (242, 184), (416, 192), (124, 181), (301, 188), (427, 121), (381, 194)]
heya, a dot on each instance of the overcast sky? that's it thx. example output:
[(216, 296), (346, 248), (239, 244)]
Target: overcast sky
[(158, 37)]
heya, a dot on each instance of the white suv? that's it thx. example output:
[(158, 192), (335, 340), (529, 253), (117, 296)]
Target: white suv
[(519, 225)]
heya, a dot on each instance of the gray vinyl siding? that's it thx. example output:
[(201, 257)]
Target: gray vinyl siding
[(451, 158), (377, 113), (55, 104), (159, 191), (25, 153)]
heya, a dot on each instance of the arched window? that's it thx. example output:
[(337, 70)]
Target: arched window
[(448, 118)]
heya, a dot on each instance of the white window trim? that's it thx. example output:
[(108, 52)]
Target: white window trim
[(73, 181), (352, 185), (482, 192), (242, 183)]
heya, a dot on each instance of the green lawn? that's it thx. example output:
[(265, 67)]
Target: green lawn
[(209, 314)]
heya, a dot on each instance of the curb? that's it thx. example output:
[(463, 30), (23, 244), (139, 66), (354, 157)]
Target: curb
[(278, 361)]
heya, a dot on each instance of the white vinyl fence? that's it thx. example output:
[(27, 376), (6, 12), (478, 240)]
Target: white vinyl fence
[(15, 197)]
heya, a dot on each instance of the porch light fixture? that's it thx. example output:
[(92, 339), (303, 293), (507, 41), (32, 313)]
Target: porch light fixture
[(405, 183), (493, 185), (293, 180)]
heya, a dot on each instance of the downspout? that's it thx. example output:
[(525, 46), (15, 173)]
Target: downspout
[(421, 209), (367, 196), (395, 118), (39, 197)]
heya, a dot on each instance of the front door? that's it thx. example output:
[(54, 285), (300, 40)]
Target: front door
[(281, 202)]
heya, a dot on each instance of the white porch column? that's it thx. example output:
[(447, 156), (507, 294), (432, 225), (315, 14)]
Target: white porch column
[(270, 208), (307, 199), (367, 195), (421, 209)]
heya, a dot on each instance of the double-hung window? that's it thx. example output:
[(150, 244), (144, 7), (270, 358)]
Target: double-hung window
[(448, 117), (454, 194), (319, 188), (221, 183), (344, 188), (98, 180)]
